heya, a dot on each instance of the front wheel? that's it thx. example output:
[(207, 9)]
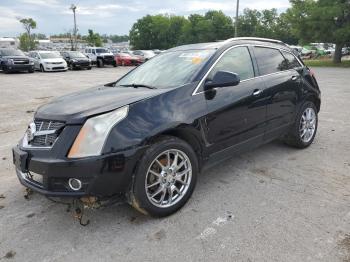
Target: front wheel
[(42, 69), (100, 63), (304, 129), (165, 178)]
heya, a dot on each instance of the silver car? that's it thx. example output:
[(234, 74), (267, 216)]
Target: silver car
[(47, 61)]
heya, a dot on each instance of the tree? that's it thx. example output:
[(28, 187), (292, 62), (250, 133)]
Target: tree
[(266, 23), (323, 20), (26, 40), (165, 31), (93, 39), (25, 43)]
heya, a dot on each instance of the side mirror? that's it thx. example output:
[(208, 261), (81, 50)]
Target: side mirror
[(222, 79)]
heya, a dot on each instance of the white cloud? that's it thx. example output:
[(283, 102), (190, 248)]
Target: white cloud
[(9, 20), (106, 10), (46, 3), (209, 5), (230, 6)]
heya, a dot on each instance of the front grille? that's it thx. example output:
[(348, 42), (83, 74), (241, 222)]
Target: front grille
[(58, 67), (49, 139), (21, 61), (56, 63)]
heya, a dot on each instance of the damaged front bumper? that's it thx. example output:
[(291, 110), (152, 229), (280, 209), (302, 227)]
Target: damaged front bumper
[(101, 176)]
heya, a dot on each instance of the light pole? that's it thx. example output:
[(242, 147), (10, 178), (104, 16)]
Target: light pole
[(236, 21), (73, 8)]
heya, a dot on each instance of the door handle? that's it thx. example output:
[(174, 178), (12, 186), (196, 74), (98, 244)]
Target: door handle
[(294, 78), (257, 92)]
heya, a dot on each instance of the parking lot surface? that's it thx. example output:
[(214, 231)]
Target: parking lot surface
[(272, 204)]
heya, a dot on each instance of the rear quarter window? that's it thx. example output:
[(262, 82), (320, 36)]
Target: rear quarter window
[(291, 60), (269, 60)]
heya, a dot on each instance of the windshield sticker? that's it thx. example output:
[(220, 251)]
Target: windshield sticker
[(196, 60)]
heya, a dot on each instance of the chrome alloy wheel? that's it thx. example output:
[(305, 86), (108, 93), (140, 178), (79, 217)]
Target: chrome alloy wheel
[(168, 178), (307, 125)]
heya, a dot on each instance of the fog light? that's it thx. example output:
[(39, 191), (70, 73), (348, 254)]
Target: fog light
[(74, 184)]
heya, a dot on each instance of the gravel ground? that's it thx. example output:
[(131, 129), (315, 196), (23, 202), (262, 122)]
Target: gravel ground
[(273, 204)]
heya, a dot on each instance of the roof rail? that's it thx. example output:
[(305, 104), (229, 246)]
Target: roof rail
[(256, 39)]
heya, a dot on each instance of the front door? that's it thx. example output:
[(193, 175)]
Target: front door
[(236, 114)]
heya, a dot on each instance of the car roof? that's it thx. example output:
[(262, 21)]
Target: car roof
[(232, 42)]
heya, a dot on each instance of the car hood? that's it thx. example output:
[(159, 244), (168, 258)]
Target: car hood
[(14, 57), (105, 54), (53, 60), (76, 107)]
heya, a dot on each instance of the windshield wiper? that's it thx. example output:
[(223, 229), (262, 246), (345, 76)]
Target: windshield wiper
[(139, 85)]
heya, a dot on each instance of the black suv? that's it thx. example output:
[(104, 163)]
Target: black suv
[(13, 60), (150, 133), (76, 60)]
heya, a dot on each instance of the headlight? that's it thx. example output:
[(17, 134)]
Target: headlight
[(47, 63), (74, 60), (10, 61), (92, 136)]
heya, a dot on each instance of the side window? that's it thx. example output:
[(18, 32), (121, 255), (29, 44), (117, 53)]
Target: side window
[(237, 60), (292, 62), (269, 60)]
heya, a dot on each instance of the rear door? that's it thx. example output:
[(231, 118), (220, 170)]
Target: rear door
[(236, 114), (282, 86)]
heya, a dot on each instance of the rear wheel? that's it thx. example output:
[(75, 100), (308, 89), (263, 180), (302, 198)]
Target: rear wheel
[(165, 177), (115, 64), (71, 67), (304, 129)]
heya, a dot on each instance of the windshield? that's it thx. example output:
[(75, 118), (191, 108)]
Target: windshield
[(49, 55), (101, 50), (11, 52), (76, 55), (168, 69)]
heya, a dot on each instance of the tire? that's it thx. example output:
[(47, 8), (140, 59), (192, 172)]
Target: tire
[(115, 64), (123, 63), (42, 69), (303, 122), (89, 68), (170, 200), (71, 67), (100, 63), (5, 70), (31, 70)]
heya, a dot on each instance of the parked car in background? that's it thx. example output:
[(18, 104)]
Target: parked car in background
[(149, 134), (48, 61), (345, 51), (100, 56), (13, 60), (125, 59), (156, 51), (144, 54), (76, 60)]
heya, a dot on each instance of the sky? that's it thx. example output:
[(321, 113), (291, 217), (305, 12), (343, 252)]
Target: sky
[(110, 16)]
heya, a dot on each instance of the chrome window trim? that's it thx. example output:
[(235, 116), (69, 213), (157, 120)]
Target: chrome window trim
[(244, 45)]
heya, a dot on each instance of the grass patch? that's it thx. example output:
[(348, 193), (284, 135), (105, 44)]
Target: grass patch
[(326, 63)]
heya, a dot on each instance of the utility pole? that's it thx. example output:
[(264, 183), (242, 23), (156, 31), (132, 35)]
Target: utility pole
[(236, 21), (73, 8)]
